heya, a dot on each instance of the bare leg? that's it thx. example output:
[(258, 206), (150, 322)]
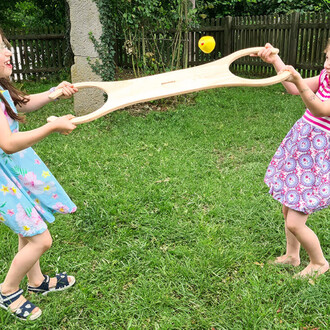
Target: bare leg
[(35, 271), (291, 256), (34, 275), (296, 224), (27, 256)]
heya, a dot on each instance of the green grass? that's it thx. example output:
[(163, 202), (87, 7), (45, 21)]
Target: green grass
[(174, 225)]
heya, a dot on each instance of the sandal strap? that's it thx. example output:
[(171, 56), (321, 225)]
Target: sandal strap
[(62, 280), (24, 311), (44, 286), (8, 300)]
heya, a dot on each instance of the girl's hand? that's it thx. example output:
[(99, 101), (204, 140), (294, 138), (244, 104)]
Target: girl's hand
[(68, 89), (266, 54), (63, 125), (295, 76)]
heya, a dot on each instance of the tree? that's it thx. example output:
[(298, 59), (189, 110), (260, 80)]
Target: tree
[(29, 14), (219, 8), (145, 26)]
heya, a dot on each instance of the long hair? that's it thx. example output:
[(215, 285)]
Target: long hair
[(18, 96), (327, 47)]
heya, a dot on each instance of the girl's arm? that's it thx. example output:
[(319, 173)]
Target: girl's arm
[(37, 101), (13, 142), (312, 102), (267, 56)]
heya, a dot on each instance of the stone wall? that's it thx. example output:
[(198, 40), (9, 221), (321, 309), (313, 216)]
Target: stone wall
[(84, 17)]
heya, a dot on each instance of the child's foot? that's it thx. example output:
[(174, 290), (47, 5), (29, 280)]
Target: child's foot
[(313, 270), (286, 260), (53, 281), (18, 305), (59, 283)]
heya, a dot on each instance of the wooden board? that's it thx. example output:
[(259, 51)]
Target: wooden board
[(206, 76)]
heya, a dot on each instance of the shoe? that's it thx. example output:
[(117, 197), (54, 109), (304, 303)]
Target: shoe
[(62, 284), (23, 312)]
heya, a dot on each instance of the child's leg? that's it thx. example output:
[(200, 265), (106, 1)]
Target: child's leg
[(24, 260), (35, 275), (296, 224), (291, 256)]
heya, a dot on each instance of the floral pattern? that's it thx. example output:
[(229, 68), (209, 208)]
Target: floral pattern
[(29, 193), (299, 174)]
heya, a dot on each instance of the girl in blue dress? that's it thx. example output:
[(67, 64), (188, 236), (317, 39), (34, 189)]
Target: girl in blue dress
[(298, 176), (29, 193)]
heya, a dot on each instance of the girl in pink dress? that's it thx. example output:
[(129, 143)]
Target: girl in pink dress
[(298, 176)]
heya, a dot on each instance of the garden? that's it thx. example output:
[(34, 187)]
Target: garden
[(174, 228)]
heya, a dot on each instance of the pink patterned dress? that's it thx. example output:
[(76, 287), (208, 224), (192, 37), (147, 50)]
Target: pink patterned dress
[(298, 176)]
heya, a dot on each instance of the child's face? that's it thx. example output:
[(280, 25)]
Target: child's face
[(5, 66), (327, 61)]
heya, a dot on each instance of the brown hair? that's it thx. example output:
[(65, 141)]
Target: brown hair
[(327, 47), (18, 96)]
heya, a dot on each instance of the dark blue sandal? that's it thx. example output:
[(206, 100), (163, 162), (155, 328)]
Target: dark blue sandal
[(23, 312), (62, 284)]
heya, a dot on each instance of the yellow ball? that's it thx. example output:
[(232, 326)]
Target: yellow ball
[(206, 44)]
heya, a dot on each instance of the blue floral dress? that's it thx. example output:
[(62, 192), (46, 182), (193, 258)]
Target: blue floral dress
[(29, 193)]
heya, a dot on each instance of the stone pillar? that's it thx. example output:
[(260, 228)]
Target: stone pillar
[(84, 17)]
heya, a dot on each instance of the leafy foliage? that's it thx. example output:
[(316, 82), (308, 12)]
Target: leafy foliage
[(29, 14), (219, 8), (105, 66), (136, 22), (146, 28)]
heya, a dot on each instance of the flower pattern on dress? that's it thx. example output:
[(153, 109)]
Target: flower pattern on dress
[(298, 176), (303, 182), (29, 193)]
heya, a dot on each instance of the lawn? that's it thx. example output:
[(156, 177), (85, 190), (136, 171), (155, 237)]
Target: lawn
[(174, 226)]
